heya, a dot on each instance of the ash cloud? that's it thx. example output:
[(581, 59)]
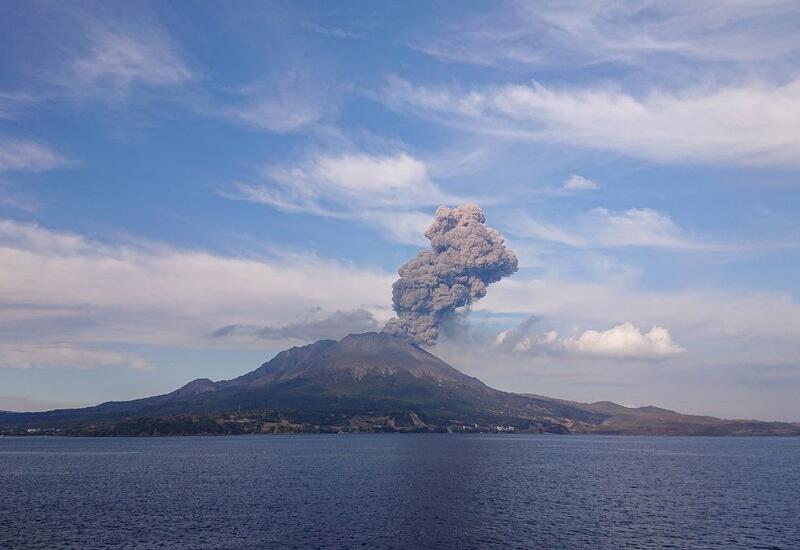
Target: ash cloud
[(336, 325), (466, 256)]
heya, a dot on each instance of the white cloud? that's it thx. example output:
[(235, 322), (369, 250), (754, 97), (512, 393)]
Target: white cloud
[(400, 226), (585, 32), (26, 355), (484, 46), (335, 32), (60, 287), (745, 124), (757, 317), (28, 156), (100, 52), (375, 180), (602, 228), (10, 102), (579, 183), (625, 340), (744, 343), (621, 341), (121, 58), (10, 198), (277, 114), (382, 190), (741, 346), (283, 103), (333, 182)]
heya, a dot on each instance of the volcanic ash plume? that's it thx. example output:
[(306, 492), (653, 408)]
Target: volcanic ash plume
[(467, 256)]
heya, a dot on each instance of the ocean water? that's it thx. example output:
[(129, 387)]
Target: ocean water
[(400, 491)]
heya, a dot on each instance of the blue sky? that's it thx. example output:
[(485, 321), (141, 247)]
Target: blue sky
[(169, 169)]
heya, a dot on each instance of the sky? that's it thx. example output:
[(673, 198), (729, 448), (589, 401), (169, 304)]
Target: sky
[(169, 170)]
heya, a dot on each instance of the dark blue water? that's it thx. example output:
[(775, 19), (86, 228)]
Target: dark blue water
[(400, 491)]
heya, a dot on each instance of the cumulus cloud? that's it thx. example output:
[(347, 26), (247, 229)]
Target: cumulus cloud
[(466, 257), (757, 317), (579, 183), (333, 326), (28, 156), (382, 190), (67, 288), (624, 341), (743, 124)]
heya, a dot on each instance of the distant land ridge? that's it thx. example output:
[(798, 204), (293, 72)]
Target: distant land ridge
[(371, 382)]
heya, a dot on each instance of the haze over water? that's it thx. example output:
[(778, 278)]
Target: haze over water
[(400, 491)]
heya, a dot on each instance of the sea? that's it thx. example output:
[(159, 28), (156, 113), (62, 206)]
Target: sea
[(425, 491)]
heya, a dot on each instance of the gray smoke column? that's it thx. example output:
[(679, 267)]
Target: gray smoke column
[(466, 257)]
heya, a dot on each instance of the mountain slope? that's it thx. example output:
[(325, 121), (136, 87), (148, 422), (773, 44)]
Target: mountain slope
[(649, 420), (365, 382), (361, 382)]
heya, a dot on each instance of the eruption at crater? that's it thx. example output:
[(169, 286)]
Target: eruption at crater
[(466, 257)]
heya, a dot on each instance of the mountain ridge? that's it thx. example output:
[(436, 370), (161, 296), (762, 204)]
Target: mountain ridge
[(651, 420), (364, 382)]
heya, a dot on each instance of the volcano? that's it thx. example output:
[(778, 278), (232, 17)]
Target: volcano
[(364, 382)]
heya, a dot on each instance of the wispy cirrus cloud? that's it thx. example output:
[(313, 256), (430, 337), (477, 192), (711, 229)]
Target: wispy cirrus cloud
[(587, 32), (29, 156), (96, 50), (12, 102), (603, 228), (745, 124), (285, 103), (91, 51), (383, 190), (121, 58), (278, 114), (335, 32), (10, 198)]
